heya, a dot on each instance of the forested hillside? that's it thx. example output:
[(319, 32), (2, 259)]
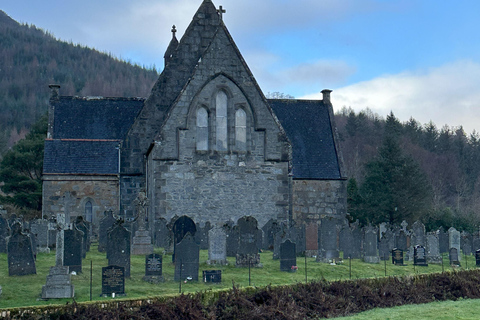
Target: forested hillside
[(31, 59), (410, 171)]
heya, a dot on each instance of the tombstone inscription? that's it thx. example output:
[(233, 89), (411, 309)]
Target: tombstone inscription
[(397, 257), (419, 256), (212, 276), (113, 280), (153, 268)]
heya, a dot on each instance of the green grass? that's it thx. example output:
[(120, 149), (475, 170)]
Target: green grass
[(445, 310), (21, 291)]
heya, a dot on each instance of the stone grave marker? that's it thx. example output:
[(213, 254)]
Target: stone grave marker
[(153, 268), (212, 276), (247, 252), (217, 249), (288, 256), (39, 228), (419, 256), (52, 232), (33, 241), (201, 236), (443, 240), (466, 243), (397, 257), (300, 241), (402, 241), (162, 234), (454, 240), (118, 247), (20, 253), (477, 258), (107, 222), (4, 234), (280, 236), (418, 229), (453, 256), (327, 240), (82, 226), (142, 241), (181, 227), (270, 229), (370, 245), (187, 259), (386, 243), (232, 239), (113, 280), (73, 249), (433, 248), (311, 231)]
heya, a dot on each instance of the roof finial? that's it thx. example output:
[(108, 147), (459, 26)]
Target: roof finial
[(174, 30), (221, 11)]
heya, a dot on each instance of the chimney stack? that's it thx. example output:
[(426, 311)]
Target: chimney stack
[(326, 95), (54, 97), (54, 91)]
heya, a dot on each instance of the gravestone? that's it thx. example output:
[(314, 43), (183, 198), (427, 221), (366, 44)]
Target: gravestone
[(280, 236), (113, 280), (217, 248), (33, 241), (327, 240), (386, 243), (311, 231), (232, 239), (59, 281), (370, 245), (73, 249), (288, 256), (4, 234), (270, 229), (419, 256), (52, 232), (348, 243), (300, 241), (39, 228), (187, 259), (181, 227), (433, 249), (402, 241), (212, 276), (20, 253), (153, 268), (82, 226), (477, 258), (397, 257), (443, 240), (466, 243), (162, 234), (118, 247), (454, 257), (107, 222), (247, 252), (418, 229), (142, 241), (454, 240), (201, 236)]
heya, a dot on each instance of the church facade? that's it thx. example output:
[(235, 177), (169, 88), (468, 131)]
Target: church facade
[(206, 143)]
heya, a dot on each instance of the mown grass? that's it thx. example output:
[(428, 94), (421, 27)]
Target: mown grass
[(445, 310), (20, 291)]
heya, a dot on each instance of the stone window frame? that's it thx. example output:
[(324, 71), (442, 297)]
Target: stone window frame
[(206, 128), (227, 120)]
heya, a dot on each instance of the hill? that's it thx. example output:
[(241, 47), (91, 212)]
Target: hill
[(31, 59)]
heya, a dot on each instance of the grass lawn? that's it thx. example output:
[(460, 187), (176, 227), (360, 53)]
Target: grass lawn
[(445, 310), (20, 291)]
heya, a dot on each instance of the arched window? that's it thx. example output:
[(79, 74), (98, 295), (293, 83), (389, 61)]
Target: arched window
[(202, 129), (88, 211), (221, 121), (241, 130)]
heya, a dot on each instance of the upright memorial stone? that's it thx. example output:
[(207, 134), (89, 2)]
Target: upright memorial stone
[(187, 259), (39, 228), (82, 226), (247, 253), (270, 229), (402, 241), (370, 245), (142, 241), (162, 234), (113, 281), (397, 257), (106, 223), (279, 237), (59, 284), (386, 244), (433, 249), (454, 240), (419, 256), (454, 257), (19, 253), (418, 229), (327, 240), (73, 249), (443, 240), (118, 249), (217, 250), (153, 268), (201, 236), (181, 227), (4, 233), (300, 240), (232, 239), (466, 243), (311, 231), (288, 256)]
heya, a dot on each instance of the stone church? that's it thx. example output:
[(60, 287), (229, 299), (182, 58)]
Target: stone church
[(206, 143)]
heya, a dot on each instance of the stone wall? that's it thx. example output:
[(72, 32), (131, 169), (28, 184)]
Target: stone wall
[(315, 199), (101, 191)]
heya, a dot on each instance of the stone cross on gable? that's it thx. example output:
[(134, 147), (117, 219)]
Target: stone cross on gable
[(221, 11), (141, 203), (174, 31)]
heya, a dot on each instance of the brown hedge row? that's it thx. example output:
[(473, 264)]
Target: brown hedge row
[(301, 301)]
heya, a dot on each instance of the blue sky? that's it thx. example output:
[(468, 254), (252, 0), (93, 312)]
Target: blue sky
[(418, 58)]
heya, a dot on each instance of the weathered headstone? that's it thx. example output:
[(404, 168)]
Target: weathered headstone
[(454, 257), (247, 252), (113, 280), (280, 236), (73, 249), (212, 276), (418, 229), (118, 247), (352, 238), (397, 257), (153, 268), (311, 231), (433, 249), (288, 256), (52, 232), (420, 257), (187, 259), (217, 248), (466, 243), (232, 239), (386, 243), (106, 223), (162, 233), (327, 240), (20, 253), (82, 226), (443, 240), (4, 233), (39, 228), (181, 227), (142, 241), (370, 245), (270, 229), (300, 240), (402, 241), (201, 236), (454, 240)]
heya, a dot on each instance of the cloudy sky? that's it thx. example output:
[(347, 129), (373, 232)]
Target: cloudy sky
[(417, 58)]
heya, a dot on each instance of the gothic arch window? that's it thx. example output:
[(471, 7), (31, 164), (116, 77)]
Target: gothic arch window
[(240, 130), (88, 211), (221, 104), (202, 129)]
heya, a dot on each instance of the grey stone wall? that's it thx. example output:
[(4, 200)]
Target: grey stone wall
[(315, 199)]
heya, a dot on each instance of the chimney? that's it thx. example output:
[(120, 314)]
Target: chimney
[(54, 91), (326, 95), (54, 97)]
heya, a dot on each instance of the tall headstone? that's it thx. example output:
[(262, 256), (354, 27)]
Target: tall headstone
[(433, 248), (370, 245), (73, 249), (402, 240), (419, 256), (418, 229), (162, 234), (352, 242), (269, 230), (153, 268), (20, 253), (201, 236), (247, 252), (39, 228), (386, 243), (217, 247), (300, 239), (327, 240), (187, 259), (4, 234), (82, 226), (280, 236), (288, 256), (107, 222), (142, 241), (454, 240), (311, 231), (443, 240), (59, 284), (232, 239), (466, 243), (118, 247), (181, 227), (454, 257)]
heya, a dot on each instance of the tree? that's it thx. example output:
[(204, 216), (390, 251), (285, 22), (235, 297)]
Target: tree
[(21, 170)]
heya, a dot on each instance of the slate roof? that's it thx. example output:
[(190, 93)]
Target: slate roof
[(94, 118), (81, 156), (309, 128)]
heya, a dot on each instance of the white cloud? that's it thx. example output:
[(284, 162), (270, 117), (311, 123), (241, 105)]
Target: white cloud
[(448, 94)]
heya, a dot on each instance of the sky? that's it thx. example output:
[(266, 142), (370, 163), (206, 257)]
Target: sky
[(415, 58)]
